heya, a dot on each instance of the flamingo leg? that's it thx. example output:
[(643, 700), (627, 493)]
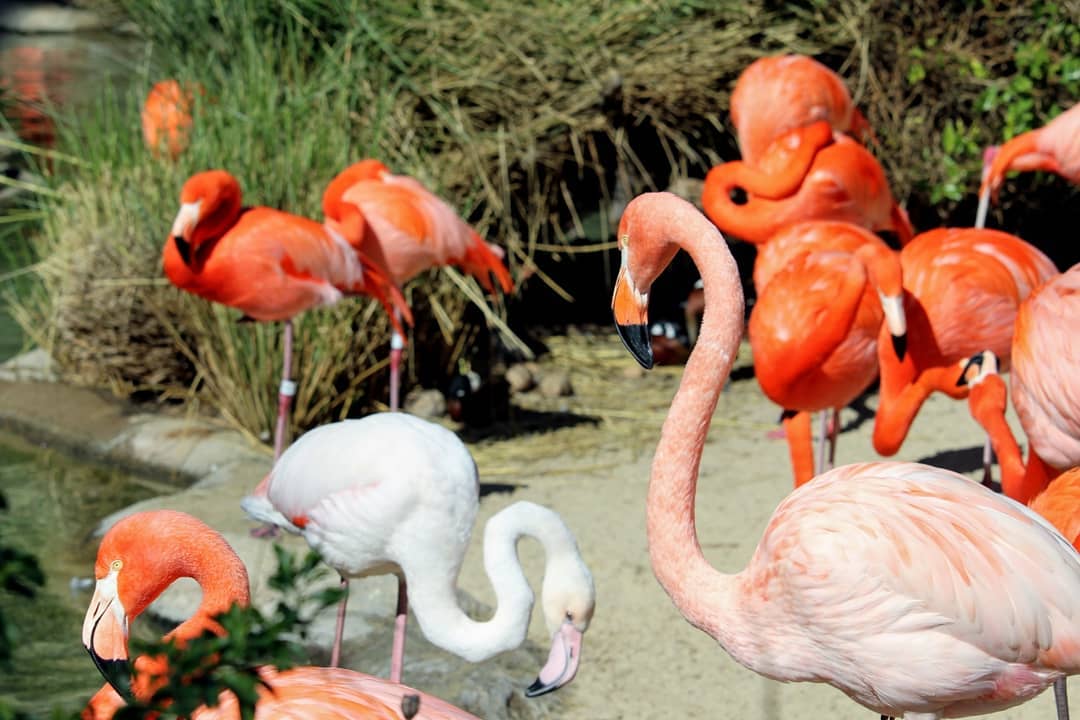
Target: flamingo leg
[(397, 655), (819, 441), (397, 347), (797, 427), (984, 207), (1061, 698), (988, 463), (285, 392), (335, 653), (834, 430)]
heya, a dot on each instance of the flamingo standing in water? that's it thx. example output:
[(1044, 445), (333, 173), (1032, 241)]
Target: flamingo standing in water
[(392, 493), (142, 555), (915, 591), (1054, 147), (166, 118), (412, 230), (269, 264), (963, 287), (1045, 388), (823, 290), (844, 183)]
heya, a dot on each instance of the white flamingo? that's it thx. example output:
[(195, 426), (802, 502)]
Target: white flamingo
[(392, 493)]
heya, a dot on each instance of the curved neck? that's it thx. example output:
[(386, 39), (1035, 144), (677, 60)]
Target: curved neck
[(434, 599), (703, 595), (755, 220)]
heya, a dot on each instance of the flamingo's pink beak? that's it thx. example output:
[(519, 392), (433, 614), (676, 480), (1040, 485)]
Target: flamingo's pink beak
[(562, 662), (631, 310), (105, 634)]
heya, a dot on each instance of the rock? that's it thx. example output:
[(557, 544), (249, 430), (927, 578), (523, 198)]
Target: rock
[(425, 403), (39, 17), (556, 383), (520, 378), (33, 366)]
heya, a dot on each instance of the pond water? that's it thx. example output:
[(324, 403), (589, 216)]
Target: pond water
[(54, 504)]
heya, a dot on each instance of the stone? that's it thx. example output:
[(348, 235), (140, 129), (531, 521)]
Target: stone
[(42, 17), (520, 378), (33, 366), (425, 403), (556, 383)]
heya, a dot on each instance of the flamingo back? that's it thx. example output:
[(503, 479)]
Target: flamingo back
[(1045, 360), (805, 237), (877, 560)]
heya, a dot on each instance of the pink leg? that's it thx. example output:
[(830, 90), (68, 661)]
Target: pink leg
[(834, 429), (988, 462), (397, 347), (335, 653), (397, 655), (285, 393)]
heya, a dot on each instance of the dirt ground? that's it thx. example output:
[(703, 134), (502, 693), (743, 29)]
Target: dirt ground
[(640, 657)]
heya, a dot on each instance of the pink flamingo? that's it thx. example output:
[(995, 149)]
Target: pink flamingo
[(1054, 147), (392, 493), (410, 230), (142, 555), (824, 289), (915, 591), (1045, 389), (269, 264)]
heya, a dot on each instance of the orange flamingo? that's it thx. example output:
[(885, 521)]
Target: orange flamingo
[(779, 94), (963, 287), (269, 264), (166, 118), (141, 556), (412, 230), (1060, 504), (913, 590), (1054, 147), (844, 183), (823, 290), (1045, 388)]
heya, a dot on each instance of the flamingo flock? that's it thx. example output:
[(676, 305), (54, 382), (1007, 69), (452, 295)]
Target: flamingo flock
[(915, 591)]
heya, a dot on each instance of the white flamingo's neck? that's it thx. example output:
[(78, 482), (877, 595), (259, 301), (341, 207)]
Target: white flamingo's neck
[(434, 599), (706, 597)]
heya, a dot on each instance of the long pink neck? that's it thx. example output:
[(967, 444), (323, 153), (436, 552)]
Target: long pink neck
[(699, 591)]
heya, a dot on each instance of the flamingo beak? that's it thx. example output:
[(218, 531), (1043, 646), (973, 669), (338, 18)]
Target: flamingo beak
[(896, 321), (105, 634), (182, 228), (631, 310), (562, 662), (977, 367)]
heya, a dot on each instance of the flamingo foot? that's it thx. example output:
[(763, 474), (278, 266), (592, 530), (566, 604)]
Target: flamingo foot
[(335, 652), (777, 434), (397, 655)]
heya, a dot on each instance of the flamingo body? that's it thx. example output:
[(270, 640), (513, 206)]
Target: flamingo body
[(415, 229), (775, 95), (915, 591), (142, 555), (166, 118), (844, 183), (963, 287)]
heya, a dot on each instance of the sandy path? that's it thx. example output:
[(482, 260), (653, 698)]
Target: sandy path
[(640, 657)]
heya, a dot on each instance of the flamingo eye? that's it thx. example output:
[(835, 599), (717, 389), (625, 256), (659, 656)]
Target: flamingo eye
[(116, 565)]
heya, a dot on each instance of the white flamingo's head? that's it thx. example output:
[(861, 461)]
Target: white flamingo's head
[(568, 599)]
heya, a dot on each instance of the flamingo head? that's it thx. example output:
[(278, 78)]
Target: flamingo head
[(641, 263), (568, 599), (209, 204), (978, 367)]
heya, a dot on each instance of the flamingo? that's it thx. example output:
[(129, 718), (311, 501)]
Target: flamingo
[(413, 230), (1045, 387), (267, 263), (844, 182), (166, 118), (824, 288), (963, 287), (1060, 504), (1054, 147), (915, 591), (392, 493), (142, 555), (778, 94)]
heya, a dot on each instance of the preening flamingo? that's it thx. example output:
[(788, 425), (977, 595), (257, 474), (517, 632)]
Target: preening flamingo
[(1045, 389), (1055, 147), (166, 118), (962, 289), (915, 591), (392, 493), (269, 264), (782, 93), (413, 230), (823, 290), (844, 183), (142, 555)]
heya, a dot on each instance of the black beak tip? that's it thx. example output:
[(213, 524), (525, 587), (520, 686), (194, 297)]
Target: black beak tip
[(538, 688), (899, 343), (116, 672), (184, 248), (975, 361), (637, 340)]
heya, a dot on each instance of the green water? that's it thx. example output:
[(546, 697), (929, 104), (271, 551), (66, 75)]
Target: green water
[(54, 504)]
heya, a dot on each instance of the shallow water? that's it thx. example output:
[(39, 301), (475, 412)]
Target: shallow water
[(54, 504)]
